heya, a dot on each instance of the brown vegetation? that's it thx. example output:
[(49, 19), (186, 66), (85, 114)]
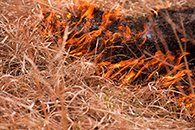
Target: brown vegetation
[(44, 86)]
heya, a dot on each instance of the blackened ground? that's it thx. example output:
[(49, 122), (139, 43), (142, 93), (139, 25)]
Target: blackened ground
[(179, 17), (125, 49), (187, 17)]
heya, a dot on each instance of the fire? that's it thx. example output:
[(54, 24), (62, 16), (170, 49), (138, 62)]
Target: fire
[(158, 7), (94, 38), (184, 40), (68, 15)]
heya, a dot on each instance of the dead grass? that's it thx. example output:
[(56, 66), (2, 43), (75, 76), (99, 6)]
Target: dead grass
[(42, 88), (134, 8)]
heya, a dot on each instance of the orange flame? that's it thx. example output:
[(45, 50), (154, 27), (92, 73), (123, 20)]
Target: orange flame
[(124, 71)]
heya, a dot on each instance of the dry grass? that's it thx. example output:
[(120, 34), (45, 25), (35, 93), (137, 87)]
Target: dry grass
[(42, 88), (134, 8)]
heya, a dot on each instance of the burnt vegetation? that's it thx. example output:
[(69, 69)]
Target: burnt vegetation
[(85, 66)]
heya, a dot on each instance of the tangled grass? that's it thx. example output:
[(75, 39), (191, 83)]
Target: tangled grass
[(41, 87)]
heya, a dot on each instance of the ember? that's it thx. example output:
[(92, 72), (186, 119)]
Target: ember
[(127, 53)]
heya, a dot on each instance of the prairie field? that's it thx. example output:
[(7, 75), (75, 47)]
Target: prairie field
[(94, 64)]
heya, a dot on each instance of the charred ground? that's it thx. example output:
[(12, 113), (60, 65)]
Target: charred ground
[(118, 47)]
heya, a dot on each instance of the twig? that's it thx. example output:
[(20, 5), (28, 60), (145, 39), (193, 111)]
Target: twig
[(177, 27), (164, 62), (161, 38), (174, 27)]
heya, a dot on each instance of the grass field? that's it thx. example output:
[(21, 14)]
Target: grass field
[(43, 86)]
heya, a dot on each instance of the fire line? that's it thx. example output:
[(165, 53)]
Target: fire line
[(116, 49)]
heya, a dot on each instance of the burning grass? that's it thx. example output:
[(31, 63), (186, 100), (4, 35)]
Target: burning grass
[(54, 74)]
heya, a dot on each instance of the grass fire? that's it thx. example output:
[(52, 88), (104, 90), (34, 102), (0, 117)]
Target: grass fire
[(75, 64)]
